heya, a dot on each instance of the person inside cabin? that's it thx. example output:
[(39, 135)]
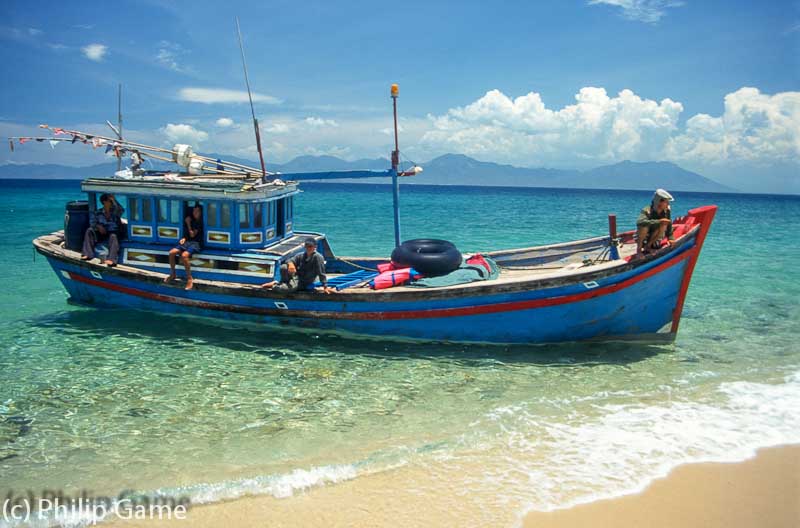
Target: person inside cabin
[(655, 222), (105, 227), (289, 281), (310, 266), (191, 243)]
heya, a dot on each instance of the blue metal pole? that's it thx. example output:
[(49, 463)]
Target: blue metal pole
[(395, 163), (396, 199)]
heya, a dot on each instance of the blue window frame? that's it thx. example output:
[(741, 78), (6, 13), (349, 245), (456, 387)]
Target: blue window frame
[(169, 219), (141, 217)]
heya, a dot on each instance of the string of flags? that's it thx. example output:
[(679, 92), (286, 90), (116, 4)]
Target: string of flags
[(194, 164), (110, 146)]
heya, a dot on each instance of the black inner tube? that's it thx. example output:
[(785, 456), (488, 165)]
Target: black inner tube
[(431, 257)]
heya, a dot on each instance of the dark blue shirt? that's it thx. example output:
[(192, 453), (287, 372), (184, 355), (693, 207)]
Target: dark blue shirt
[(112, 222)]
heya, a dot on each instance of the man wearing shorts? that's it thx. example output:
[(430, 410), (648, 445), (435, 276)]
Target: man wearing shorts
[(190, 244)]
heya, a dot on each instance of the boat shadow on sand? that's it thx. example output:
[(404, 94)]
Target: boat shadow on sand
[(278, 343)]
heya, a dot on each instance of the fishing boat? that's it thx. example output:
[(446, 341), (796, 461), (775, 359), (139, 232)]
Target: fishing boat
[(599, 288)]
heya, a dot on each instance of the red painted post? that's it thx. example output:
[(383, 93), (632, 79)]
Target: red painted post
[(612, 234)]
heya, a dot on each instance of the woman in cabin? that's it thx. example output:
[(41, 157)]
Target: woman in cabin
[(105, 227), (191, 243)]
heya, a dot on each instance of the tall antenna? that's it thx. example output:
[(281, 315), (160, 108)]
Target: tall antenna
[(119, 123), (252, 109)]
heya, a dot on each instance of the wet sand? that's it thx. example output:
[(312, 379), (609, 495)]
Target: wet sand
[(763, 491)]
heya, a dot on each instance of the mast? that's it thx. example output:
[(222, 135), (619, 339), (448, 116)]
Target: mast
[(395, 91), (119, 123), (252, 109)]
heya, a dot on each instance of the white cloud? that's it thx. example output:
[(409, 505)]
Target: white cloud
[(650, 11), (335, 150), (170, 55), (183, 133), (224, 122), (276, 128), (754, 127), (389, 131), (219, 95), (34, 32), (317, 122), (95, 52), (524, 131)]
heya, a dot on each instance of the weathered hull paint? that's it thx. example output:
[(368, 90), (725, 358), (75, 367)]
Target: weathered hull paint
[(639, 303)]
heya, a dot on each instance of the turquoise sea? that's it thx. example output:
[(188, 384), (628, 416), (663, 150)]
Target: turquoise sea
[(115, 400)]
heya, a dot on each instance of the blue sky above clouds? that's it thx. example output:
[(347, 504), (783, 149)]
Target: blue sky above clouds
[(712, 86)]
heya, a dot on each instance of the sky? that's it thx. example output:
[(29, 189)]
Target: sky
[(711, 86)]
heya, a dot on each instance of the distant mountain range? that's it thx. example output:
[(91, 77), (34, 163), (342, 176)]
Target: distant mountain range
[(450, 169)]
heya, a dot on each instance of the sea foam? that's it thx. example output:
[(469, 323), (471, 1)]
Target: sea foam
[(625, 447)]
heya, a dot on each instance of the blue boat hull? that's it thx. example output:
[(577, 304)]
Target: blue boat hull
[(634, 305), (642, 300)]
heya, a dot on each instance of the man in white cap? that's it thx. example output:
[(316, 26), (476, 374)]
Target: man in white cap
[(654, 222)]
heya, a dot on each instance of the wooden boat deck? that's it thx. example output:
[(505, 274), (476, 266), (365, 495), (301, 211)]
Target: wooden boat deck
[(573, 262)]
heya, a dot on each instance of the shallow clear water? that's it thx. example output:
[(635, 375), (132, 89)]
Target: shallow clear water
[(119, 399)]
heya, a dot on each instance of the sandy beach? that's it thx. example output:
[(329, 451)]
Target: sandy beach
[(763, 491)]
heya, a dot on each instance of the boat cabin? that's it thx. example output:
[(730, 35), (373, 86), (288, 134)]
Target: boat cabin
[(248, 229)]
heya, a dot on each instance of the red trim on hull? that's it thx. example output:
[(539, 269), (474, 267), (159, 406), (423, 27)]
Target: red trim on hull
[(704, 216), (393, 315)]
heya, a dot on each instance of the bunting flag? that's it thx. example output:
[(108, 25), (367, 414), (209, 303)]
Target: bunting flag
[(53, 143), (74, 139), (58, 131), (97, 142), (11, 144), (109, 148), (22, 141), (39, 140)]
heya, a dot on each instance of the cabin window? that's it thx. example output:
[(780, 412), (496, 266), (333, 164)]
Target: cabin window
[(270, 213), (163, 211), (147, 210), (258, 215), (175, 212), (244, 215), (211, 213), (140, 209), (133, 209), (291, 207), (225, 215)]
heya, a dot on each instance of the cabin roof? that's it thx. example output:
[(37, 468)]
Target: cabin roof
[(207, 188)]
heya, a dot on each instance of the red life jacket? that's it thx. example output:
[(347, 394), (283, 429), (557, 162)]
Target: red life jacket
[(386, 266), (394, 277)]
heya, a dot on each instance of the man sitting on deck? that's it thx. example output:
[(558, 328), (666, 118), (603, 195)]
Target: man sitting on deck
[(190, 244), (310, 265), (655, 223), (104, 227), (289, 281)]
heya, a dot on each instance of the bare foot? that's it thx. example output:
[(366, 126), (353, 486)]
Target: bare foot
[(84, 257), (189, 284), (169, 278), (109, 263)]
